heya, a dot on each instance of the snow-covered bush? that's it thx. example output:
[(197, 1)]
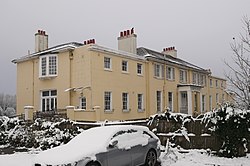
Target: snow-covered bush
[(232, 128), (41, 134), (225, 130)]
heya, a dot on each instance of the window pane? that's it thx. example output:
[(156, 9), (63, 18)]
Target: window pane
[(125, 101), (52, 65), (124, 66), (158, 101), (52, 104), (107, 101), (140, 102), (45, 93), (43, 105), (43, 66), (53, 93), (170, 101), (47, 105), (139, 68), (83, 102), (107, 63)]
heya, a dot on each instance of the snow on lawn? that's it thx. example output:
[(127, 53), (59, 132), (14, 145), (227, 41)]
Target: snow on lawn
[(20, 159), (200, 158), (173, 158)]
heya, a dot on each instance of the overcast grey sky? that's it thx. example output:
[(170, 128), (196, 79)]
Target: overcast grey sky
[(201, 30)]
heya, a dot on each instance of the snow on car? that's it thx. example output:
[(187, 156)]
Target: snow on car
[(105, 146)]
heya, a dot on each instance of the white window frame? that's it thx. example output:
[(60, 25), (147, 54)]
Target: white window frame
[(124, 66), (83, 103), (211, 82), (125, 102), (107, 101), (158, 70), (217, 98), (170, 103), (139, 69), (140, 102), (47, 100), (210, 103), (46, 69), (183, 76), (107, 63), (203, 103), (203, 80), (195, 78), (159, 101), (170, 73)]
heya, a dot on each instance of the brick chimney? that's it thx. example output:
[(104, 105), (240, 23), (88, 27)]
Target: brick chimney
[(127, 41), (41, 41), (170, 51)]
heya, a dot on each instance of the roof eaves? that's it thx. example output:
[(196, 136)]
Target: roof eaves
[(96, 47), (56, 49)]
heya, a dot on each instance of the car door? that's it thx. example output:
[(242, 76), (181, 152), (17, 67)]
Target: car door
[(118, 155)]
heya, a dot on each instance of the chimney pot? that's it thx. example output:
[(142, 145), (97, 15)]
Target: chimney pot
[(128, 32), (121, 34), (125, 33), (132, 31), (85, 42), (93, 41)]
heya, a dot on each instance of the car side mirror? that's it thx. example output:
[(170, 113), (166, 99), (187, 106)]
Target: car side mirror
[(112, 144)]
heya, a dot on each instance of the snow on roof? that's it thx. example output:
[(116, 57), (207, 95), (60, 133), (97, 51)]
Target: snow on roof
[(56, 49), (147, 53), (86, 144), (116, 52)]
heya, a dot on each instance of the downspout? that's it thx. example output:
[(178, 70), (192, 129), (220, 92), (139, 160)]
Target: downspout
[(164, 86), (70, 75), (33, 82), (147, 89)]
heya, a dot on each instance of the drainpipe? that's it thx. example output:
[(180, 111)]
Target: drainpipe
[(33, 81), (147, 64), (164, 85), (70, 75)]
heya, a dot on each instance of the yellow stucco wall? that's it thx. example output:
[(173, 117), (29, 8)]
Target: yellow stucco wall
[(83, 68)]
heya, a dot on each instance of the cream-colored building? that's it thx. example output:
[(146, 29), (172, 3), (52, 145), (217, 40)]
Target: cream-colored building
[(95, 83)]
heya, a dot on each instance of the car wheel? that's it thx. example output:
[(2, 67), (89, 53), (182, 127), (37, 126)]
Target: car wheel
[(151, 158), (93, 164)]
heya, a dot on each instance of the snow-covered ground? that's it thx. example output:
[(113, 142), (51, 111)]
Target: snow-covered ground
[(173, 158)]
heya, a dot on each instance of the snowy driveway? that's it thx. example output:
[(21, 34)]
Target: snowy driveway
[(193, 158)]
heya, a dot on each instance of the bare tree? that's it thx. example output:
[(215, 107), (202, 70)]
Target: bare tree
[(238, 75), (7, 104)]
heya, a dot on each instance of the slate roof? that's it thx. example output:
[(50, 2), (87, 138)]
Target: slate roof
[(151, 54)]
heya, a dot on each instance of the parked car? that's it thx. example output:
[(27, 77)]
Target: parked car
[(119, 145)]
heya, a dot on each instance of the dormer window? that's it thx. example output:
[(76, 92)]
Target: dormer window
[(48, 66)]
